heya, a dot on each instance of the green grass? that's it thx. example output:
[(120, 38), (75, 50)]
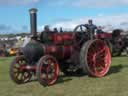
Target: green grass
[(113, 84)]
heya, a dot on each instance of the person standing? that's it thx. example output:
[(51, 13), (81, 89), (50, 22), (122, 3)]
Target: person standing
[(91, 28)]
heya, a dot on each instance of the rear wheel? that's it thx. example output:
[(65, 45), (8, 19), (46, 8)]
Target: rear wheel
[(95, 58), (47, 70)]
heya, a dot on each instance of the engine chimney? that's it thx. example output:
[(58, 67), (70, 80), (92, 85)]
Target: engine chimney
[(33, 22)]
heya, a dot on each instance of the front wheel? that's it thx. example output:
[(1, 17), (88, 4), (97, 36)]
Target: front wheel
[(17, 72), (47, 70)]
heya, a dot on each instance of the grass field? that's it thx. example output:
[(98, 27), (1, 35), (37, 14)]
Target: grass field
[(115, 83)]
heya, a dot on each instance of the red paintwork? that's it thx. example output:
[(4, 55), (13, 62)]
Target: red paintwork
[(61, 38), (27, 67), (61, 45), (59, 51), (104, 35)]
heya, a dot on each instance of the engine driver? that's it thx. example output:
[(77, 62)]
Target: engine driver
[(91, 28)]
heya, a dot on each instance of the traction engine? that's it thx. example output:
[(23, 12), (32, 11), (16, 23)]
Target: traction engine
[(68, 52)]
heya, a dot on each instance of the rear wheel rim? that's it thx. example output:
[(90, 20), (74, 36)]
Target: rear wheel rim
[(98, 58)]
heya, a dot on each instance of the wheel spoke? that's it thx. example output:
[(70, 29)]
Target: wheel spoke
[(81, 28), (16, 75), (15, 68), (101, 51), (94, 66), (20, 76), (27, 77)]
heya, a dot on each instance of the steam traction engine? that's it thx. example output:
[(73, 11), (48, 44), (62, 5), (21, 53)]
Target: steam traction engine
[(69, 52)]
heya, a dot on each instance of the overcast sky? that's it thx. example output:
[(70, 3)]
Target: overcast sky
[(14, 16)]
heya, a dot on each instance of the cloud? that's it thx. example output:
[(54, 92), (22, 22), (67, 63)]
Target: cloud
[(99, 3), (18, 2), (75, 3), (4, 27), (90, 3), (62, 19), (124, 23), (109, 22), (58, 2), (24, 27)]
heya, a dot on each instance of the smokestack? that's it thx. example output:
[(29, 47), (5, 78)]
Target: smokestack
[(33, 22)]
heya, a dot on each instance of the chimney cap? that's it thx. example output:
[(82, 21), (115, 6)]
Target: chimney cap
[(33, 10)]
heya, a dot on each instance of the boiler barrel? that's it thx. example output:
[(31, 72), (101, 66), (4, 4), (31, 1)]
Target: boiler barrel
[(33, 51), (60, 52)]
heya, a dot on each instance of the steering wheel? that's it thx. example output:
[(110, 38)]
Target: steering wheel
[(80, 33)]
